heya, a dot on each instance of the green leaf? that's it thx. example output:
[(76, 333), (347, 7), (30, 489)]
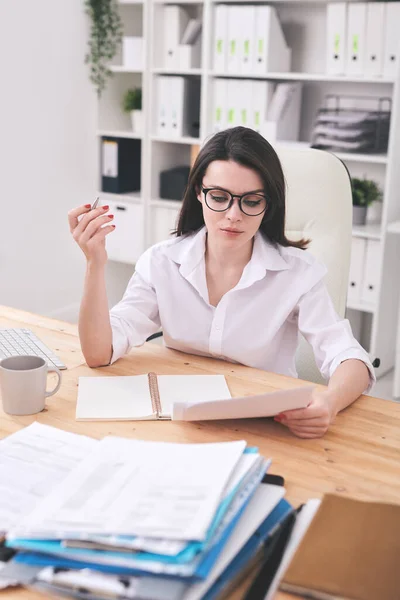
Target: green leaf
[(104, 40)]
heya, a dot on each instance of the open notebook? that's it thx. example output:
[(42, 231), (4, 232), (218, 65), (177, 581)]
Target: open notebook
[(177, 397), (144, 397)]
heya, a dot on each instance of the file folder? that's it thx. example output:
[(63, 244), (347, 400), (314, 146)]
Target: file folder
[(356, 38), (336, 38), (241, 548), (178, 106), (271, 52), (283, 117), (220, 120), (175, 22), (233, 103), (244, 93), (164, 123), (234, 37), (357, 262), (372, 272), (221, 38), (262, 92), (392, 36), (247, 15), (374, 50)]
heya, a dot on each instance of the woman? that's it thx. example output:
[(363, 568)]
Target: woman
[(229, 285)]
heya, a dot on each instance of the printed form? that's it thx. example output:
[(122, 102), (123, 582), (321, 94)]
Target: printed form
[(33, 461), (134, 487)]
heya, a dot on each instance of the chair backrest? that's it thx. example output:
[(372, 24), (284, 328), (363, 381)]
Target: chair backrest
[(319, 207)]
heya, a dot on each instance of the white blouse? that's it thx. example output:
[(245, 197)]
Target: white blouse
[(280, 293)]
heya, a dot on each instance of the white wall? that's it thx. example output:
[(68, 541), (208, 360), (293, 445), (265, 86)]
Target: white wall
[(48, 152)]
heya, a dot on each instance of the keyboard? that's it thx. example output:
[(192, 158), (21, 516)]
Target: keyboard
[(24, 342)]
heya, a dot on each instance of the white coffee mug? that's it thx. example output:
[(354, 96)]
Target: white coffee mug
[(23, 381)]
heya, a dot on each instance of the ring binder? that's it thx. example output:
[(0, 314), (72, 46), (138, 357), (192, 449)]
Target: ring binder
[(155, 394)]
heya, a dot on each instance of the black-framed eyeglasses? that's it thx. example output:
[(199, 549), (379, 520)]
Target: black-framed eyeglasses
[(251, 204)]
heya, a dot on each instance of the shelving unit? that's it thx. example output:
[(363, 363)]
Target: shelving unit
[(303, 23)]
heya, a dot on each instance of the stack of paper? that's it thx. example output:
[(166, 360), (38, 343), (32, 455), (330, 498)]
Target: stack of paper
[(135, 519)]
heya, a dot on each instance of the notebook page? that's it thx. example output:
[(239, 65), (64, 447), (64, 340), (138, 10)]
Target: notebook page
[(133, 487), (114, 398), (190, 388)]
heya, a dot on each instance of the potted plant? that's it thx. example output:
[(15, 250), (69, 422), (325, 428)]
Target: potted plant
[(105, 39), (365, 192), (132, 104)]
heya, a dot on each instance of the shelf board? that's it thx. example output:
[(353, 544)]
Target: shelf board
[(303, 77), (119, 133), (175, 140), (369, 308), (160, 203), (377, 159), (133, 197), (372, 232), (164, 71), (346, 156), (394, 227), (122, 69)]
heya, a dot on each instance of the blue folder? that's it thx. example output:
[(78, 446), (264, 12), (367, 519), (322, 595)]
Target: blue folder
[(244, 556)]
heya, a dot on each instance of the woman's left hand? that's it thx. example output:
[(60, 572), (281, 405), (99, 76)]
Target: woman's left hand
[(312, 421)]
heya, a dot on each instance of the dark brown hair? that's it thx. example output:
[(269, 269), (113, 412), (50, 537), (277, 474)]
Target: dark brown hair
[(248, 148)]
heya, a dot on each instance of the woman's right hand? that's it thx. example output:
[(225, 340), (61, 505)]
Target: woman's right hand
[(86, 228)]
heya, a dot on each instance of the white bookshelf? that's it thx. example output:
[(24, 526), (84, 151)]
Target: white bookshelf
[(303, 23)]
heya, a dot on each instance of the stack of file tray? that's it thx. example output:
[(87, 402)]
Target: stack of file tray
[(340, 129)]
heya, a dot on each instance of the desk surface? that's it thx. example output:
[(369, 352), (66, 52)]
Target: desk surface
[(358, 457)]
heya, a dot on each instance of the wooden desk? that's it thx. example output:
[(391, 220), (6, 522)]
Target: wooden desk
[(359, 456)]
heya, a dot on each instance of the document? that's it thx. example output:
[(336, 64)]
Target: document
[(263, 405), (134, 487), (33, 461)]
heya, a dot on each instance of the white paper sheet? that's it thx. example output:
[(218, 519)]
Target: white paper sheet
[(134, 487), (263, 405), (172, 547), (33, 461)]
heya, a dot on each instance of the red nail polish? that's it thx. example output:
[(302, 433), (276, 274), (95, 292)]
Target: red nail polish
[(110, 216), (105, 207), (113, 226), (88, 205)]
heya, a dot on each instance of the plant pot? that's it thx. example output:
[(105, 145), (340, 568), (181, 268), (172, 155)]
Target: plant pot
[(359, 215), (137, 121), (374, 212)]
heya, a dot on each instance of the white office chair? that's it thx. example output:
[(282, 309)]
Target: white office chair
[(319, 207)]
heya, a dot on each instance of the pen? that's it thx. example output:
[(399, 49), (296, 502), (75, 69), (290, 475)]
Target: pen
[(274, 550), (95, 203)]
